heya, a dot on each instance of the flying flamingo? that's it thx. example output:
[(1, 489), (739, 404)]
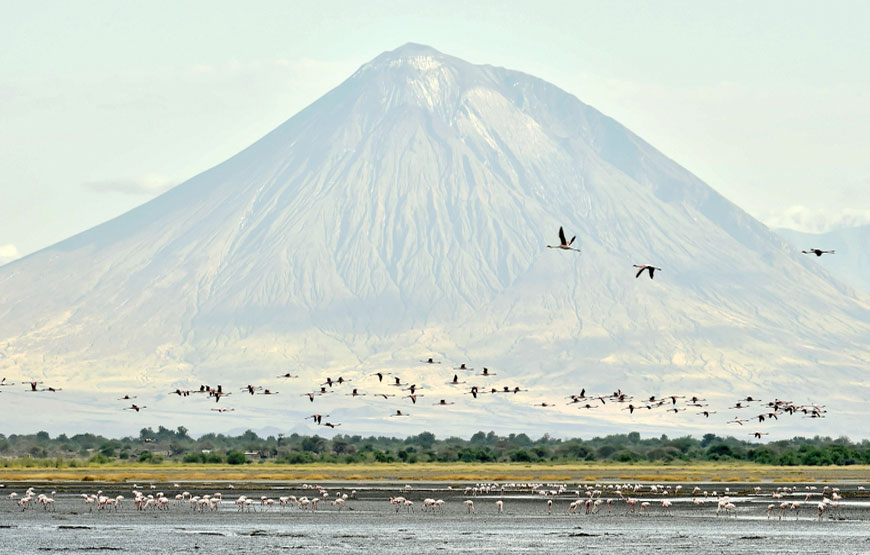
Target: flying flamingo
[(563, 243), (646, 267), (316, 417), (135, 407), (818, 252), (310, 396)]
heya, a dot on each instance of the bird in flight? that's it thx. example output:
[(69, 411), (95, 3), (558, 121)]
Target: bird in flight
[(218, 394), (318, 418), (645, 268), (310, 395), (135, 407), (288, 375), (563, 243), (818, 252), (430, 361), (223, 410)]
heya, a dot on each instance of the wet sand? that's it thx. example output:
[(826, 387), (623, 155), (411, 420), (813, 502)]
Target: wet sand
[(370, 524)]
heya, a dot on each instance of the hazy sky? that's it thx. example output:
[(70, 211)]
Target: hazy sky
[(105, 104)]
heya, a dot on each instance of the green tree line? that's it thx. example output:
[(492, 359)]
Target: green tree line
[(178, 446)]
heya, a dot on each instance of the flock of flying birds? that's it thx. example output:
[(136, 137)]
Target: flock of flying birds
[(766, 412)]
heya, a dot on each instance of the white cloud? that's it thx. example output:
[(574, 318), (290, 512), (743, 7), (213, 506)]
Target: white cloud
[(817, 220), (8, 253), (149, 184)]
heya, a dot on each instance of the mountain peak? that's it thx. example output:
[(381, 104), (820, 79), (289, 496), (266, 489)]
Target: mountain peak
[(415, 57), (414, 48)]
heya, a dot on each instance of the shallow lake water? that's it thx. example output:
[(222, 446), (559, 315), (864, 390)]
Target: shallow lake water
[(368, 523)]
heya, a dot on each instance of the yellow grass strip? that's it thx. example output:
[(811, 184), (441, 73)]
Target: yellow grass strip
[(446, 472)]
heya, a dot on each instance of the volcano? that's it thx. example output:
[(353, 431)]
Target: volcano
[(405, 214)]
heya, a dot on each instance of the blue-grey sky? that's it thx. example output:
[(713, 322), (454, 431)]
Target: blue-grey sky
[(104, 104)]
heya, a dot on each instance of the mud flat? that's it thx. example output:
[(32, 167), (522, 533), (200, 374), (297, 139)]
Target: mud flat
[(369, 523)]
